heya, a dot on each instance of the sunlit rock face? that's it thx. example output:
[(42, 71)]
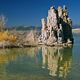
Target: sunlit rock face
[(57, 27)]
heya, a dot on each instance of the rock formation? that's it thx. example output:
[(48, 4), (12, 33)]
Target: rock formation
[(57, 28)]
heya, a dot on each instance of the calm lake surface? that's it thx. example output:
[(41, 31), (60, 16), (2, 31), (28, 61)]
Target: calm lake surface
[(41, 63)]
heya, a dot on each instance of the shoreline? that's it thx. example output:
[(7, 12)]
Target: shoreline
[(29, 39), (76, 30), (50, 45)]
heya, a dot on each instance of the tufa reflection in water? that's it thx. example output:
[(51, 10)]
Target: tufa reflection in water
[(36, 63), (57, 60), (7, 55)]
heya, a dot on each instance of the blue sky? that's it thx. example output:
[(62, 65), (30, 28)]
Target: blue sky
[(30, 12)]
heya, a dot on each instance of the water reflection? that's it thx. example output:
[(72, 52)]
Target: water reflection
[(35, 63), (57, 60), (7, 55)]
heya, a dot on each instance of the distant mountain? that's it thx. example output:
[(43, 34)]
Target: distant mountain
[(75, 26), (33, 27), (24, 28)]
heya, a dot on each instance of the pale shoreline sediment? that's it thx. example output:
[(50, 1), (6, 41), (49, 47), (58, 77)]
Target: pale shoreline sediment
[(77, 30)]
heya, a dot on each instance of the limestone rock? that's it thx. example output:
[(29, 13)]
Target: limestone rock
[(58, 26), (31, 38), (51, 40)]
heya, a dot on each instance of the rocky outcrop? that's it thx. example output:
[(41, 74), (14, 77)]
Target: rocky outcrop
[(31, 39), (57, 28)]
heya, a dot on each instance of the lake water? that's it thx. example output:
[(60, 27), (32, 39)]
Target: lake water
[(41, 63)]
